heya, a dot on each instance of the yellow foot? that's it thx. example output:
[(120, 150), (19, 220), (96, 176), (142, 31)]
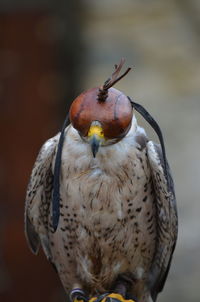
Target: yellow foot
[(113, 297), (78, 299)]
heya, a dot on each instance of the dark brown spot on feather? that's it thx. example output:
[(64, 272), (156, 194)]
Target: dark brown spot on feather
[(150, 219), (151, 225), (144, 199)]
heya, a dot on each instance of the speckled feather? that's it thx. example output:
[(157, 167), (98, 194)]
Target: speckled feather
[(117, 215)]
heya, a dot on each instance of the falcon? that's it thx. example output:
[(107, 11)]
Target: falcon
[(101, 201)]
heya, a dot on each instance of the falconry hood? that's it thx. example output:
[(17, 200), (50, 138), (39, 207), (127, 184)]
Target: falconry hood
[(100, 115), (107, 106)]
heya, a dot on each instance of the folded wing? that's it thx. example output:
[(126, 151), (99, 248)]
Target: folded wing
[(167, 223), (38, 198)]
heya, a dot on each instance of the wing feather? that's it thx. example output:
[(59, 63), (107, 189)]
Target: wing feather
[(38, 198), (167, 222)]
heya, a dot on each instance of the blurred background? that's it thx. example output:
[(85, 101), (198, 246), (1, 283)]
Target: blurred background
[(52, 50)]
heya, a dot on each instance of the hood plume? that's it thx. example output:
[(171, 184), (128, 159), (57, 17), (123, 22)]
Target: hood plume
[(103, 90)]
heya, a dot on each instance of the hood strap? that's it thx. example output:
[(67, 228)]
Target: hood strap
[(56, 177), (146, 115)]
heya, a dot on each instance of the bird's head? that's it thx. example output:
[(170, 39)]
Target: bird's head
[(102, 115)]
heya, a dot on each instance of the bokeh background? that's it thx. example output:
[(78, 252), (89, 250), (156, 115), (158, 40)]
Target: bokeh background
[(49, 52)]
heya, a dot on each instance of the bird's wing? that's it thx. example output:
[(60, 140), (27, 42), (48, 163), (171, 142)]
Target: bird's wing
[(38, 198), (167, 223)]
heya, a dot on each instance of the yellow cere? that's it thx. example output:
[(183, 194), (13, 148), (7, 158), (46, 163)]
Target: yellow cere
[(96, 130)]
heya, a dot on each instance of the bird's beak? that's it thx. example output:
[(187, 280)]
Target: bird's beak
[(96, 136), (94, 142)]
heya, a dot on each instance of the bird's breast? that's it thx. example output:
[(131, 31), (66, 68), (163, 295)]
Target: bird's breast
[(107, 211)]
